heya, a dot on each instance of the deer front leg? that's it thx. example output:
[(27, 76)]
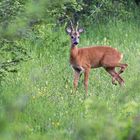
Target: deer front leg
[(86, 77), (76, 79)]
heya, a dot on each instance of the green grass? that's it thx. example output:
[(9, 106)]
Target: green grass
[(38, 102)]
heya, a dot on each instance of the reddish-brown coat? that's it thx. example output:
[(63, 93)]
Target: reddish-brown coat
[(94, 57), (83, 59)]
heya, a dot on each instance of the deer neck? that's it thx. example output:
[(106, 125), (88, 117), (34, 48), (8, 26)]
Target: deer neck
[(73, 51)]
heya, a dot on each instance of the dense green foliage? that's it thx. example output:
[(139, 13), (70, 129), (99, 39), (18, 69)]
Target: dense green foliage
[(36, 92)]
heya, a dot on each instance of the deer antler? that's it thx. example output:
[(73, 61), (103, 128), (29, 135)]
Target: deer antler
[(71, 25), (77, 24)]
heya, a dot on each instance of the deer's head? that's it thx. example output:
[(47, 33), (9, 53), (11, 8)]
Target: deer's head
[(74, 34)]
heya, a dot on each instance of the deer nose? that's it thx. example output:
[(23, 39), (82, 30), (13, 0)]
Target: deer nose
[(75, 43)]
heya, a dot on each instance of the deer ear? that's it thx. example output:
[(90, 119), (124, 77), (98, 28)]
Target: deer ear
[(80, 30), (68, 30)]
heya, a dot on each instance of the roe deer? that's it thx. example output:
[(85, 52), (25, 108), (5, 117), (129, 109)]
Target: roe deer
[(83, 59)]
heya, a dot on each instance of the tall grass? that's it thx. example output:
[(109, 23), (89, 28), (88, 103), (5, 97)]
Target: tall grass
[(38, 101)]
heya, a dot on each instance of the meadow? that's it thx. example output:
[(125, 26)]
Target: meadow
[(38, 101)]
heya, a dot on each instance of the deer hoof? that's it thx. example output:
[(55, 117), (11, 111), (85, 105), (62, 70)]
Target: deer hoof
[(114, 83), (122, 84)]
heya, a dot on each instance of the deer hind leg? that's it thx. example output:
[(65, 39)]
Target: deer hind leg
[(114, 80), (111, 71), (122, 68), (115, 75), (113, 61)]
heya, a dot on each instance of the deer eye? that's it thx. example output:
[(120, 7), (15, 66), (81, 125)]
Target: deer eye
[(72, 37), (78, 36)]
